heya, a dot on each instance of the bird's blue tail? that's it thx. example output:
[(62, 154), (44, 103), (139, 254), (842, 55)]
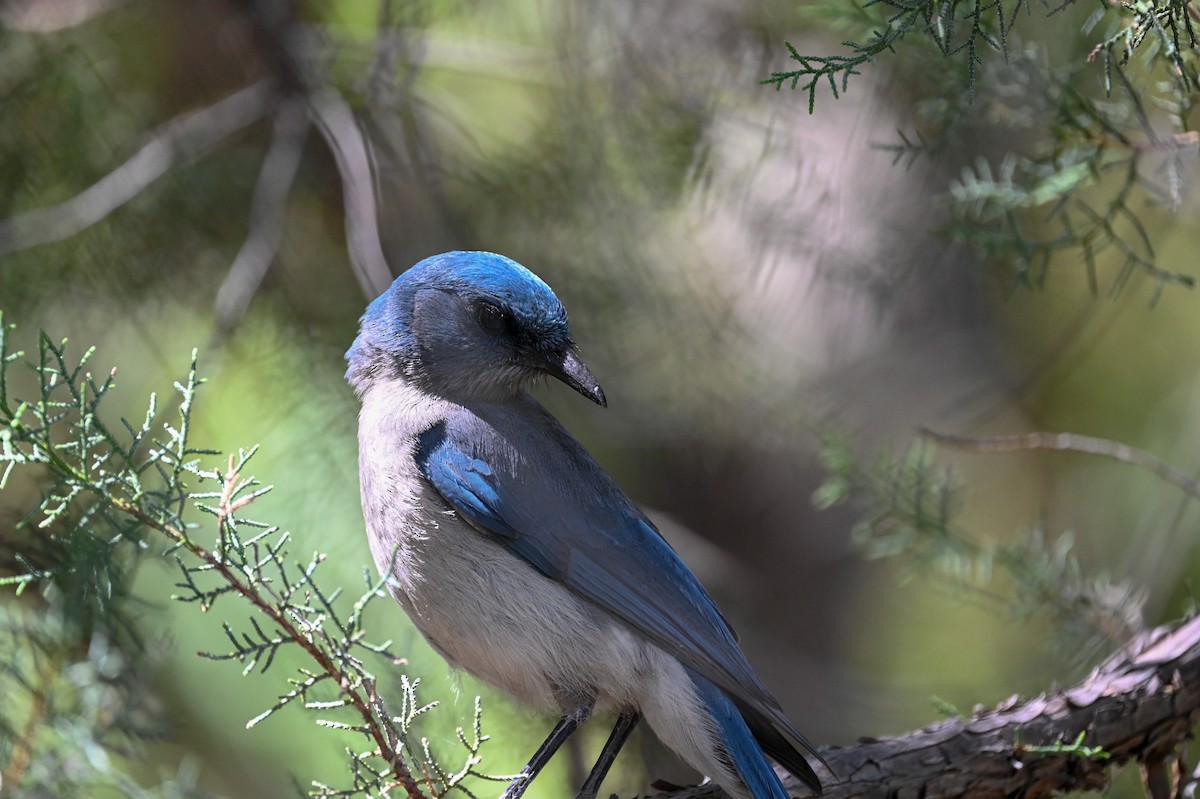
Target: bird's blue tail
[(741, 750)]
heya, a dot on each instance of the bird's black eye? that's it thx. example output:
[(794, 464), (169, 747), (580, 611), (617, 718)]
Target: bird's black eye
[(491, 319)]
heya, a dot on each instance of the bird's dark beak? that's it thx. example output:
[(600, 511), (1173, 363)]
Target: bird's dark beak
[(568, 368)]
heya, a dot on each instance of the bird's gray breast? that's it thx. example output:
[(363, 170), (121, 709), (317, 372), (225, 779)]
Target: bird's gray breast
[(482, 607)]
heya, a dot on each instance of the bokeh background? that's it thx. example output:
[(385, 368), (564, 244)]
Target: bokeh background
[(740, 273)]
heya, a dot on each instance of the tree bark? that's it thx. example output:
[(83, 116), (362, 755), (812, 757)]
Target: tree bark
[(1140, 705)]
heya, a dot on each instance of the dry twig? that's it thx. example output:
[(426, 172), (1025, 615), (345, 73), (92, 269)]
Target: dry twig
[(182, 138)]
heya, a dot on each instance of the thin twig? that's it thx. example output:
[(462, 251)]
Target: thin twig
[(1071, 442), (275, 181), (334, 119), (184, 137)]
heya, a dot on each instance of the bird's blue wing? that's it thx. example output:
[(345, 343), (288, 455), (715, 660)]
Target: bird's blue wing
[(465, 481), (520, 477), (470, 486)]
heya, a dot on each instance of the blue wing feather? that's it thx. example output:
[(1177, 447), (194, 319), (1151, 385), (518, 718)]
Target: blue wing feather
[(467, 483)]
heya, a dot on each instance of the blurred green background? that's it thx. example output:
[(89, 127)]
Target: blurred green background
[(738, 273)]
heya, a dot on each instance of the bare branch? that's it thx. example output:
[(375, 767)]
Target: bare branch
[(1070, 442), (335, 121), (275, 181), (1140, 705), (184, 137)]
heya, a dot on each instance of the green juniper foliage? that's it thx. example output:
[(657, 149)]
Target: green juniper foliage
[(1100, 113), (112, 496), (967, 29), (952, 27), (907, 507), (1083, 190)]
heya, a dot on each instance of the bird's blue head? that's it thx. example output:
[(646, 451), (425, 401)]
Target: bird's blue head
[(467, 325)]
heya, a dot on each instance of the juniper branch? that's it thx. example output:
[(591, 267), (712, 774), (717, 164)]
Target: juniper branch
[(907, 508), (891, 21), (98, 479), (291, 629)]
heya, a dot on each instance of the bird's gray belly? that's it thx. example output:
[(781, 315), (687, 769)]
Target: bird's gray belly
[(490, 613)]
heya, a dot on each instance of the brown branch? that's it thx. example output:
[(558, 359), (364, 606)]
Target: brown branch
[(1071, 442), (1139, 706)]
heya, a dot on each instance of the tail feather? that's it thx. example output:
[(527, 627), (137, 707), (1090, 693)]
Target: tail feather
[(740, 749), (777, 745)]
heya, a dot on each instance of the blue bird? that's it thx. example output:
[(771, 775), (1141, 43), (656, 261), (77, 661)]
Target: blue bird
[(517, 556)]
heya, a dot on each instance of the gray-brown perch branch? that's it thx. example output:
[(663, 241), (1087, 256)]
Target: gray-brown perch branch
[(1140, 705)]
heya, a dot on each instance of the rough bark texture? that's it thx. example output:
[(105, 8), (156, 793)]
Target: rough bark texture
[(1139, 705)]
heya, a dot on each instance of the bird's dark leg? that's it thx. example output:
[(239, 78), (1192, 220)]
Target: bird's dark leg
[(558, 736), (625, 724)]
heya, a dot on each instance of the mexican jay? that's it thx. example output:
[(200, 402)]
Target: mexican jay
[(516, 555)]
